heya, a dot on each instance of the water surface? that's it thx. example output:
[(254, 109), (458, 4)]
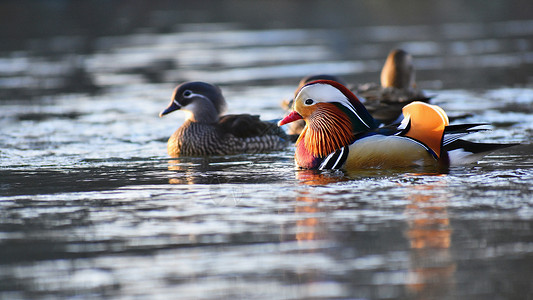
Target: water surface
[(91, 206)]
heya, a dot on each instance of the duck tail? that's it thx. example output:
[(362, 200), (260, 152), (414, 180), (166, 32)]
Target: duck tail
[(466, 152)]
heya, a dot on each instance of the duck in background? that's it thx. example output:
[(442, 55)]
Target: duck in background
[(385, 101), (340, 133), (208, 132), (397, 89)]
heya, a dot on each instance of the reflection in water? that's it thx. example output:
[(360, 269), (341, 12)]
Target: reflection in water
[(210, 172), (308, 205), (308, 225), (186, 172), (314, 177), (311, 226), (432, 268)]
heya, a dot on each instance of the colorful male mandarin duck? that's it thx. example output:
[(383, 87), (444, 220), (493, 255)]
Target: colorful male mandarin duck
[(341, 134), (208, 132)]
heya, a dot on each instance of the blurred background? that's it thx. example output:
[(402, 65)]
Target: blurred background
[(51, 47)]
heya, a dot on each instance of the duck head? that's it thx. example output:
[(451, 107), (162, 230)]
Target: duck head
[(305, 80), (333, 115), (203, 101), (398, 71)]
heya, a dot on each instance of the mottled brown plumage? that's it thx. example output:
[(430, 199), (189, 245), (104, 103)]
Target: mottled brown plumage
[(208, 132)]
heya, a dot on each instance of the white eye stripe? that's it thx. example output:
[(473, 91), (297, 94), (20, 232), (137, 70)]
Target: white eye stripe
[(190, 96), (329, 93)]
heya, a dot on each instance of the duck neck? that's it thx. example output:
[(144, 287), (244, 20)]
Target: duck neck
[(203, 111)]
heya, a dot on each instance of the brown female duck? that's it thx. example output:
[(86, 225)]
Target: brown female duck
[(397, 89), (207, 132)]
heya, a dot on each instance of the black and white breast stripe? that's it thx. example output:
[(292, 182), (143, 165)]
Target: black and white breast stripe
[(335, 160)]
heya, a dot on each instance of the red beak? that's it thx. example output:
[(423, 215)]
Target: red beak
[(293, 116)]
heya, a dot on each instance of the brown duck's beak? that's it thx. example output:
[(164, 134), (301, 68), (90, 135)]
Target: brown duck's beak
[(293, 116), (174, 105)]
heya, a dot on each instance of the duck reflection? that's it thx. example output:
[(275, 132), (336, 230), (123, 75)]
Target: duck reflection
[(308, 205), (315, 177), (311, 228), (187, 171), (311, 224), (307, 227), (432, 268)]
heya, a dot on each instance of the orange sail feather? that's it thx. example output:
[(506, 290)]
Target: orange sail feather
[(427, 124)]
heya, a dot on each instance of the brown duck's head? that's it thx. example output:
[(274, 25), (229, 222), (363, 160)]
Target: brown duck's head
[(202, 100), (398, 71)]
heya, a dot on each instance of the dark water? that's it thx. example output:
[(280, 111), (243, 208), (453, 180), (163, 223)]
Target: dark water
[(92, 207)]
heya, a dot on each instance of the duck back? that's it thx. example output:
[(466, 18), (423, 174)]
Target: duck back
[(232, 134)]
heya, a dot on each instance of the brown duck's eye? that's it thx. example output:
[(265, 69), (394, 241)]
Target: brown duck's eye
[(187, 94), (309, 101)]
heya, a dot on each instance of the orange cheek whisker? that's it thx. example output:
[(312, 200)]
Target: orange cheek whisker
[(328, 129)]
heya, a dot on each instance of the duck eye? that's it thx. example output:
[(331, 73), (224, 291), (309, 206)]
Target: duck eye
[(187, 94), (309, 101)]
